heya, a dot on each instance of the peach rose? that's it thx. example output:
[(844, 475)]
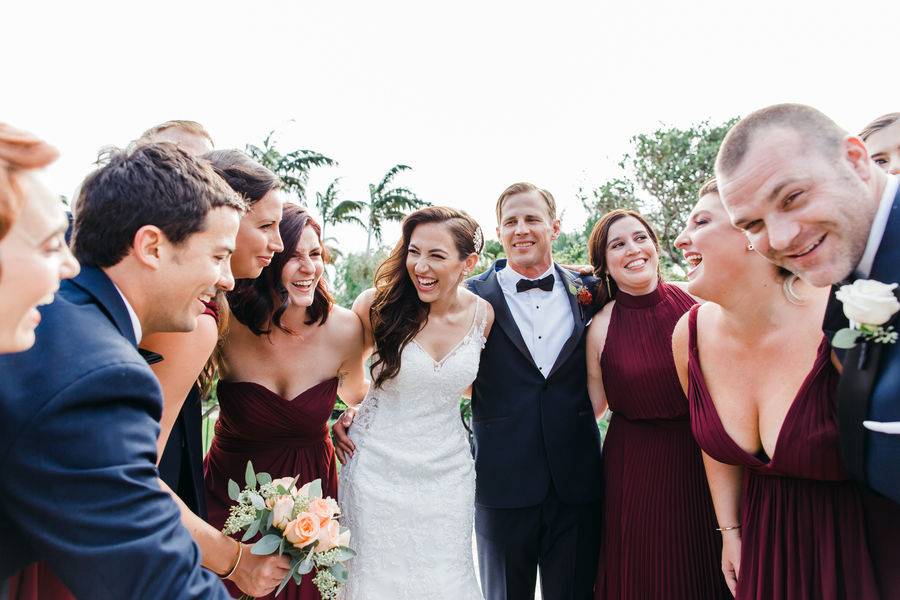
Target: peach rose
[(303, 530), (329, 536), (281, 511), (325, 509)]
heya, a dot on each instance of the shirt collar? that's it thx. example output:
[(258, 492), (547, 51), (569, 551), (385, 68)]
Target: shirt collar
[(509, 277), (135, 322), (879, 223)]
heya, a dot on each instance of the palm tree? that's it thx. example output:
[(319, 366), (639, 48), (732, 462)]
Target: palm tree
[(388, 204), (292, 168), (334, 211)]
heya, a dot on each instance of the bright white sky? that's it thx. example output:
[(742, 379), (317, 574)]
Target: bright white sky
[(472, 95)]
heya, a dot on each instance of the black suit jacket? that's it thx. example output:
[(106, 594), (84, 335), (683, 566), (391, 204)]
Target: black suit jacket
[(79, 418), (530, 431)]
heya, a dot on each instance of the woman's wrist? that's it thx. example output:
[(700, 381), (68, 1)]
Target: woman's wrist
[(238, 554)]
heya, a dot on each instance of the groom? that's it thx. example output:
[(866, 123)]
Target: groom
[(537, 448), (810, 199)]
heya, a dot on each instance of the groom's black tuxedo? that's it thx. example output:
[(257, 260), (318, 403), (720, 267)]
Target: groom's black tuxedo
[(537, 457), (870, 385), (79, 418)]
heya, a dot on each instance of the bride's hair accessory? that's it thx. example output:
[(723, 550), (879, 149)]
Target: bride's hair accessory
[(478, 240)]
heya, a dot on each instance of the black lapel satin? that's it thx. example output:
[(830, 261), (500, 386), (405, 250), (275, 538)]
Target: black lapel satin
[(578, 316), (862, 361), (490, 290), (96, 283)]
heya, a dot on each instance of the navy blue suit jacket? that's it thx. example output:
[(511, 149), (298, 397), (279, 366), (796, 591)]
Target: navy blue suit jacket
[(530, 431), (79, 418)]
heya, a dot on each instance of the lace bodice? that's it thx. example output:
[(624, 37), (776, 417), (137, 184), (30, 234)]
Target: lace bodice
[(408, 493)]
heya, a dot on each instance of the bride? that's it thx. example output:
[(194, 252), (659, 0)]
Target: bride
[(407, 488)]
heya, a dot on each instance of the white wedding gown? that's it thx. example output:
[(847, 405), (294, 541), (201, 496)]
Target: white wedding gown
[(408, 493)]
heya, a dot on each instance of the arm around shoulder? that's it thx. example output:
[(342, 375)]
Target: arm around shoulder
[(596, 341)]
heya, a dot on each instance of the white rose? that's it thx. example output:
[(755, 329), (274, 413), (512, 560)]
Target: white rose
[(868, 302)]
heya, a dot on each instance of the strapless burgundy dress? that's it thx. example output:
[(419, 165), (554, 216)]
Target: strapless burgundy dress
[(658, 539), (282, 437), (803, 532)]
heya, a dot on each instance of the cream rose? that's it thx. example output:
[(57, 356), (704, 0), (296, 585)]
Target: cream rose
[(325, 509), (329, 536), (302, 531), (285, 482), (868, 302), (281, 511)]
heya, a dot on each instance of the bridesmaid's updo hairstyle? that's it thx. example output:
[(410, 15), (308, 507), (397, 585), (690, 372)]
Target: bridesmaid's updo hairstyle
[(243, 174), (607, 288), (260, 303), (397, 314)]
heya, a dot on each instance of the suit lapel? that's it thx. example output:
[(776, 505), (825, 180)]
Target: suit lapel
[(490, 290), (94, 282), (578, 316)]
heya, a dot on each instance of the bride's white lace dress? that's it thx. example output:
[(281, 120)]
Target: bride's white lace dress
[(408, 493)]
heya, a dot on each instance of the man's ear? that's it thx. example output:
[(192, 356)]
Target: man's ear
[(148, 245), (556, 227), (857, 155)]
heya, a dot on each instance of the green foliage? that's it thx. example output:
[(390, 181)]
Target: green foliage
[(355, 274), (335, 211), (388, 204), (292, 168)]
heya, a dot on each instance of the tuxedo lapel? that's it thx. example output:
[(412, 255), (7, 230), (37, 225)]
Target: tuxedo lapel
[(95, 283), (490, 290), (577, 314)]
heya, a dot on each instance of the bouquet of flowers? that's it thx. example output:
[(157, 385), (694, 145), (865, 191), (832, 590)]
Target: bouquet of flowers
[(297, 522)]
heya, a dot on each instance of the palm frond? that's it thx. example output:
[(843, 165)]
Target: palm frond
[(392, 172)]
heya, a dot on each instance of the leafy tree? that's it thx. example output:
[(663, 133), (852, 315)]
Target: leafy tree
[(335, 211), (356, 273), (293, 168), (670, 165), (388, 204)]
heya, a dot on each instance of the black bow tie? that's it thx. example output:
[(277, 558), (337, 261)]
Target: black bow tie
[(544, 283)]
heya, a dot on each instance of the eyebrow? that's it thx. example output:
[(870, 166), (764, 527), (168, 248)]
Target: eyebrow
[(777, 189)]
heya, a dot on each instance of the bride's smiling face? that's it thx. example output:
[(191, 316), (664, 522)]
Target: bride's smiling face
[(433, 262), (714, 249)]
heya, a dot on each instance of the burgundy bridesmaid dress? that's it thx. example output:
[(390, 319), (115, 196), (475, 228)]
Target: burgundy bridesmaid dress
[(658, 539), (802, 522), (284, 438)]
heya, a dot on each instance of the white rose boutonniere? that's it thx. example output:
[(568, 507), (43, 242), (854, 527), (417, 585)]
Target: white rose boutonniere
[(868, 304)]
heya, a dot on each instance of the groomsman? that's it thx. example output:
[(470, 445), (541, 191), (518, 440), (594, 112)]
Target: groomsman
[(810, 199), (537, 448), (154, 230)]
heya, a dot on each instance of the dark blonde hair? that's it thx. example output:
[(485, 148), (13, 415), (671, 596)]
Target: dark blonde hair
[(607, 288), (397, 314), (192, 127), (524, 187), (879, 124)]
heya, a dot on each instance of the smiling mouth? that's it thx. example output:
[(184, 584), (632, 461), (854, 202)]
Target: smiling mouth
[(426, 283), (808, 248), (636, 264), (304, 285), (693, 260), (523, 244)]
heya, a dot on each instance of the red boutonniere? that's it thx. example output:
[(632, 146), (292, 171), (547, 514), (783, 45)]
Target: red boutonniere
[(582, 294)]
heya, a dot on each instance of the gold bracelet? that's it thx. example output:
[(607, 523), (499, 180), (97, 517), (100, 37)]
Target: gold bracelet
[(236, 563), (728, 528)]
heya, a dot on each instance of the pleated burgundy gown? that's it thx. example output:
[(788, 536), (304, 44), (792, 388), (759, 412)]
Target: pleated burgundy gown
[(659, 539), (282, 437), (803, 531)]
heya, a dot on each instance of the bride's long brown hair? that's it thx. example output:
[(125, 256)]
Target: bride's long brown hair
[(397, 314)]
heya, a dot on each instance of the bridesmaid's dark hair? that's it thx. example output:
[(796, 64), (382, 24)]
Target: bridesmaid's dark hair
[(260, 303), (607, 287), (243, 174), (397, 314)]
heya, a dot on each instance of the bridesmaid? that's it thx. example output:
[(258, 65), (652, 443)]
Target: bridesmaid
[(758, 373), (658, 538), (287, 355), (882, 138)]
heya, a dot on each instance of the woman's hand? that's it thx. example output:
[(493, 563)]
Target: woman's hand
[(259, 575), (731, 558), (344, 446)]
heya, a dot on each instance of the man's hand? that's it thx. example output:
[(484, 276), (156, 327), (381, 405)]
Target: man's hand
[(344, 446), (580, 269), (259, 575)]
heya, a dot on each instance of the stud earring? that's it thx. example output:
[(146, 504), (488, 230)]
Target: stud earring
[(749, 246)]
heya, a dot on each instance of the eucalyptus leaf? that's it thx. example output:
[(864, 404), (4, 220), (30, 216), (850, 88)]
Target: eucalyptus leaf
[(257, 501), (234, 492), (306, 564), (315, 489), (342, 553), (283, 583), (269, 518), (298, 578), (250, 476), (266, 545), (251, 531), (340, 572), (845, 338), (263, 478)]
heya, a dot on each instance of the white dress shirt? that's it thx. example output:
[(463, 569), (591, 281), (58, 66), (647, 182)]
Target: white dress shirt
[(879, 223), (135, 323), (544, 318)]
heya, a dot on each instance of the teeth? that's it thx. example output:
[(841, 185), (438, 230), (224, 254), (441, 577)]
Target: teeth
[(302, 284), (636, 263), (811, 247), (426, 282), (523, 244), (693, 259)]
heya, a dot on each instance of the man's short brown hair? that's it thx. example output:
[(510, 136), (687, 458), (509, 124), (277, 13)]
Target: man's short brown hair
[(524, 187), (192, 127), (819, 131)]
